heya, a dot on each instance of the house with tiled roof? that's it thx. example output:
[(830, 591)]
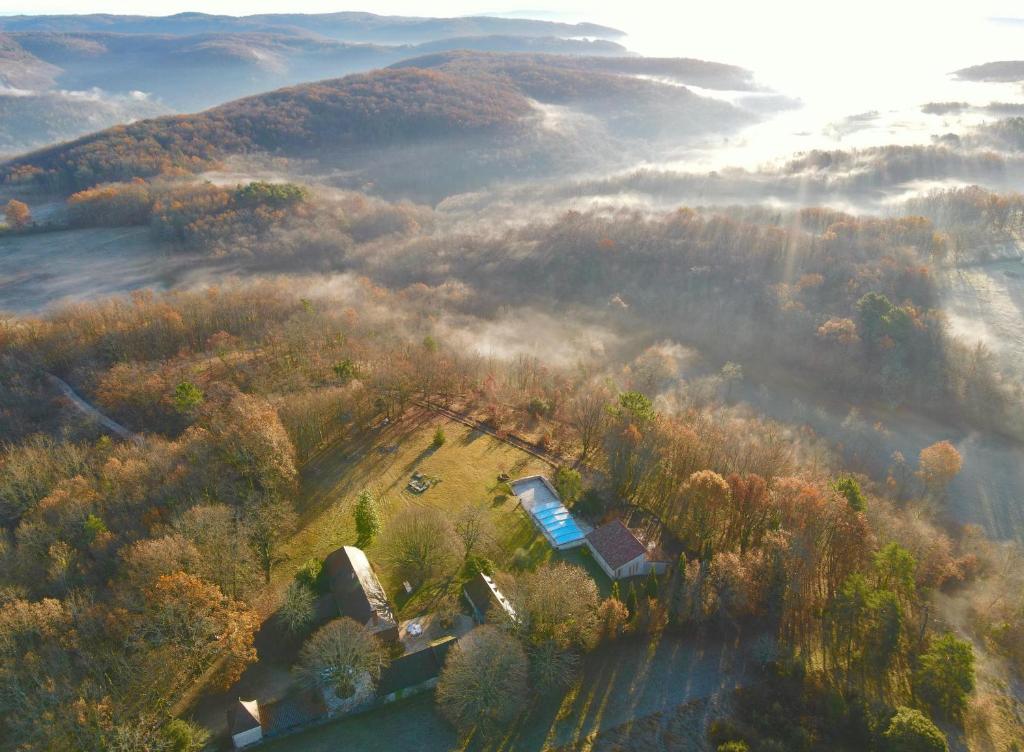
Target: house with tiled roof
[(620, 553)]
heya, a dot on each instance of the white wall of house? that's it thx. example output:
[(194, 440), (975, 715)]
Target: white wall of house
[(632, 568), (637, 567), (245, 738), (629, 569)]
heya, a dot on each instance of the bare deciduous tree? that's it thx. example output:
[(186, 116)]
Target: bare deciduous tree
[(419, 545), (341, 654), (483, 684)]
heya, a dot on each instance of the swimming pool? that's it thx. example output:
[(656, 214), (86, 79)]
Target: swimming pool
[(540, 500)]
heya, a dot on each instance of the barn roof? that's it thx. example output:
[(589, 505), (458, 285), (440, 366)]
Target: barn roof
[(615, 543), (356, 588)]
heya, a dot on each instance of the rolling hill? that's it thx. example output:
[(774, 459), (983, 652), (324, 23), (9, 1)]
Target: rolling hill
[(361, 110), (476, 117), (348, 26), (998, 71), (77, 73), (231, 65), (703, 73)]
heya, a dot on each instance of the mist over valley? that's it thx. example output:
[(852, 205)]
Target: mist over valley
[(278, 286)]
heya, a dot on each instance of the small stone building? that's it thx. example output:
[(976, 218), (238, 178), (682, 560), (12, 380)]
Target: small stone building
[(244, 723)]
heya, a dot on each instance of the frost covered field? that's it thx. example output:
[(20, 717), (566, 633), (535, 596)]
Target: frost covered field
[(985, 303), (39, 270)]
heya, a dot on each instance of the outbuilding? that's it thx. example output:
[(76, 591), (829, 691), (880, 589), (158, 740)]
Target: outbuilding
[(486, 601), (358, 592), (244, 723), (620, 553)]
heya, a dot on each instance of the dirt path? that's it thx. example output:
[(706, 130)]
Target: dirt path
[(91, 412)]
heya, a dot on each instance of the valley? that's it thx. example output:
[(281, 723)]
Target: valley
[(510, 383)]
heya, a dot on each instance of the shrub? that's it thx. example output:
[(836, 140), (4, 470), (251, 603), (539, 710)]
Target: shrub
[(184, 736), (911, 731), (366, 518), (569, 484), (439, 438), (478, 565), (311, 574), (298, 611)]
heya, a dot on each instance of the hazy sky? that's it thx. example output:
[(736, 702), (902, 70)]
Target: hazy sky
[(836, 50), (679, 10)]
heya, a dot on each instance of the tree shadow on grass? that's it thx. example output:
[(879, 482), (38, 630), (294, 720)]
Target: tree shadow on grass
[(413, 464), (620, 684), (470, 437)]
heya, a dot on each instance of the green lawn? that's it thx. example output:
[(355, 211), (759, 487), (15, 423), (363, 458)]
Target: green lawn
[(466, 466)]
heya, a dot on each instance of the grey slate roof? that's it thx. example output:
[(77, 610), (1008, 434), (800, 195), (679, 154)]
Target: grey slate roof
[(356, 588), (483, 595), (292, 711), (414, 668)]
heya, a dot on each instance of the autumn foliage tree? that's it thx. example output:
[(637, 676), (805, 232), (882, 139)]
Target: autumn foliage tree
[(939, 464), (17, 214), (194, 622)]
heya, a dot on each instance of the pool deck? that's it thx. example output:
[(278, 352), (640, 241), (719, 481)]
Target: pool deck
[(541, 501)]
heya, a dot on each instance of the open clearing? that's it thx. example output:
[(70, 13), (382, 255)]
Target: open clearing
[(382, 460), (40, 269), (465, 470), (985, 303)]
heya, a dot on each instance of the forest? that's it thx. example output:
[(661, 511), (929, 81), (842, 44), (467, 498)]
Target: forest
[(435, 102), (155, 554), (851, 301), (350, 318)]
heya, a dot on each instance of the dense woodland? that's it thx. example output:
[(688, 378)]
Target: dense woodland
[(817, 292), (154, 553), (432, 101), (135, 572), (376, 108)]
